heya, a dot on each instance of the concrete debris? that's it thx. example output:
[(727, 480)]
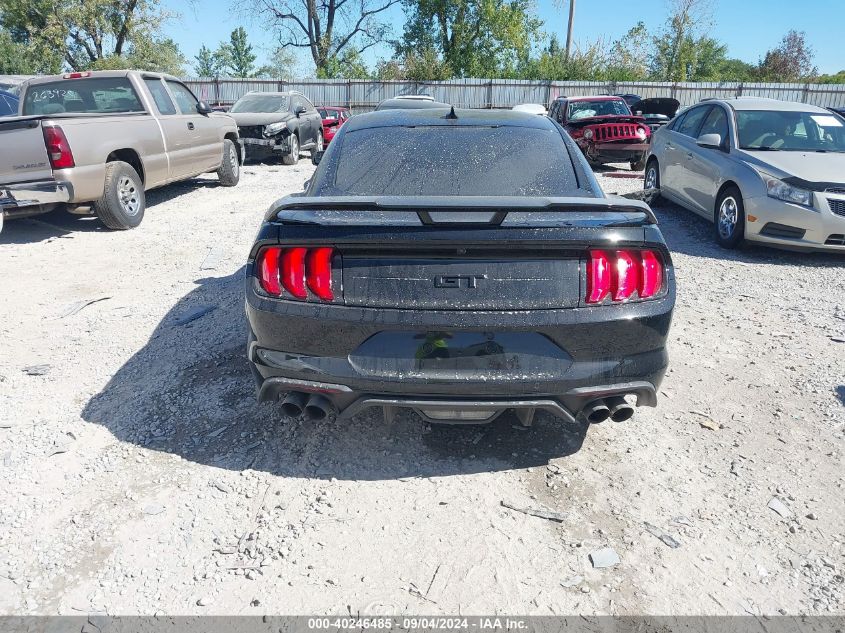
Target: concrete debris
[(537, 512), (663, 536), (603, 558), (780, 507), (76, 306), (193, 315)]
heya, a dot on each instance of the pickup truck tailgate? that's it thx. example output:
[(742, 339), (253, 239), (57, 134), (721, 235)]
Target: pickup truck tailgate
[(23, 157)]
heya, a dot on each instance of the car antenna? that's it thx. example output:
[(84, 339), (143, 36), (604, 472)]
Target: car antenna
[(451, 114)]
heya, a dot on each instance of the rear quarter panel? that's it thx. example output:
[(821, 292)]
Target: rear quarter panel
[(92, 139)]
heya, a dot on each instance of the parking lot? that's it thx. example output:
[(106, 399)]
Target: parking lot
[(138, 474)]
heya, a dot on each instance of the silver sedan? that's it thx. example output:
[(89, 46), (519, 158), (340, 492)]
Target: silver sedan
[(761, 170)]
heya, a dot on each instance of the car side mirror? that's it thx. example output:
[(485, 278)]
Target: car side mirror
[(710, 141), (299, 110), (204, 108), (316, 157)]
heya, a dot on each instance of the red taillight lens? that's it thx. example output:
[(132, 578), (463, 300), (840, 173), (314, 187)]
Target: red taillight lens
[(58, 148), (598, 276), (268, 271), (651, 274), (283, 270), (293, 271), (624, 278), (319, 267), (620, 274)]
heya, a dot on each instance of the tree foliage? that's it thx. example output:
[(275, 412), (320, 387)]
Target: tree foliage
[(792, 60), (22, 58), (281, 66), (88, 34), (328, 29), (237, 54), (472, 38)]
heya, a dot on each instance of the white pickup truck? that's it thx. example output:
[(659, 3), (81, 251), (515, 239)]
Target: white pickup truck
[(96, 141)]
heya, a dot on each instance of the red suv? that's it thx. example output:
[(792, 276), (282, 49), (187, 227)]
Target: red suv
[(333, 118), (604, 128)]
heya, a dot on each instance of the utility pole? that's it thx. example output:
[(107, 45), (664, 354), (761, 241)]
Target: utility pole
[(569, 28)]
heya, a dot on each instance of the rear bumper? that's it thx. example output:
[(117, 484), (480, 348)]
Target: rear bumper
[(557, 360), (33, 194)]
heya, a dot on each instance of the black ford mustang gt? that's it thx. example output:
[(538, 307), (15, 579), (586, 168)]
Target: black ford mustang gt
[(459, 263)]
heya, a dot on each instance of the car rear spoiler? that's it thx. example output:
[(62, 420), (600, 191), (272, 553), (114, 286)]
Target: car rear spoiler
[(469, 209)]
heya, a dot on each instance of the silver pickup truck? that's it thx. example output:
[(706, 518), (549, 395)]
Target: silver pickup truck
[(96, 141)]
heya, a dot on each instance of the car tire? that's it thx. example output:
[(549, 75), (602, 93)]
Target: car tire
[(229, 172), (122, 204), (638, 165), (651, 179), (293, 157), (729, 218), (320, 146)]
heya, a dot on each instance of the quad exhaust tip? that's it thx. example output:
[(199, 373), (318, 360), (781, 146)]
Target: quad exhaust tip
[(620, 410), (294, 403), (615, 408), (318, 408)]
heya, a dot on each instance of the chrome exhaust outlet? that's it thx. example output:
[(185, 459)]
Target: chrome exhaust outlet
[(294, 403), (318, 408), (596, 412), (620, 410)]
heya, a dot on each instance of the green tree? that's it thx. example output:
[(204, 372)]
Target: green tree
[(791, 61), (207, 63), (22, 58), (474, 38), (678, 45), (237, 54), (838, 78), (281, 65), (85, 33), (630, 55), (586, 62), (348, 66)]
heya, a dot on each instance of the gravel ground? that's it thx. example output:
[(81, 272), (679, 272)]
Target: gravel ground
[(138, 474)]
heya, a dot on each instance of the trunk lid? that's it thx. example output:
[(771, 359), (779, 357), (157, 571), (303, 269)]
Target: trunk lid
[(29, 161), (458, 253)]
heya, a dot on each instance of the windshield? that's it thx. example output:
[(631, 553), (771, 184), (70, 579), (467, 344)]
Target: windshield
[(453, 161), (328, 114), (790, 131), (604, 107), (261, 103), (94, 95)]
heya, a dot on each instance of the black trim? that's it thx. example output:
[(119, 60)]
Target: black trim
[(795, 181)]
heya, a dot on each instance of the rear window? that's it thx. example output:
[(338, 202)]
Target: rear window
[(453, 161), (95, 95)]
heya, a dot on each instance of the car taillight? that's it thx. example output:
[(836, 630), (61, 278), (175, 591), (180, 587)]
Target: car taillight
[(295, 270), (621, 274), (651, 274), (58, 148), (319, 272), (81, 75)]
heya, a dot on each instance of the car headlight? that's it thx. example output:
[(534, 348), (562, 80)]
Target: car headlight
[(640, 133), (588, 134), (274, 128), (777, 188)]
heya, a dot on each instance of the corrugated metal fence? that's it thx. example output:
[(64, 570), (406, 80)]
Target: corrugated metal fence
[(362, 95)]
